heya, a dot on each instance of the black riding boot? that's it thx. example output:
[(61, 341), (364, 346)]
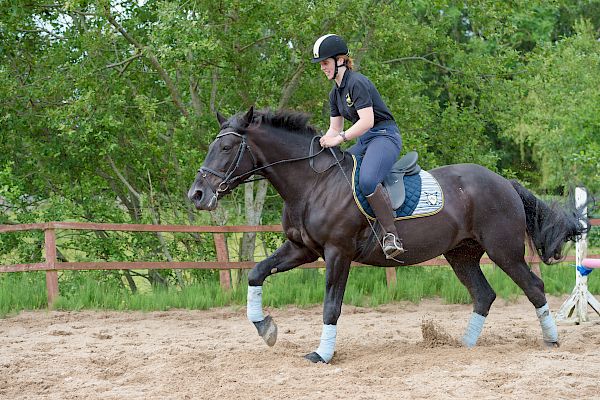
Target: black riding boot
[(382, 207)]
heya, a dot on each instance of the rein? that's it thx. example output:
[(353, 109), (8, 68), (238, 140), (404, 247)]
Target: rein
[(227, 178), (351, 189)]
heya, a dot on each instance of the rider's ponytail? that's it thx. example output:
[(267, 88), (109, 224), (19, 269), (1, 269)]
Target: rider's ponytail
[(348, 62)]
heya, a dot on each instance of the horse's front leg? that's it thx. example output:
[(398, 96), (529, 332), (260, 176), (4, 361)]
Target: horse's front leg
[(288, 256), (338, 267)]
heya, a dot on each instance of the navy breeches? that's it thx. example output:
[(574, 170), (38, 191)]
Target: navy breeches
[(379, 155)]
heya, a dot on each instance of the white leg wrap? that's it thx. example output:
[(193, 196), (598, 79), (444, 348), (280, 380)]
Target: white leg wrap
[(473, 330), (254, 308), (327, 346), (549, 329)]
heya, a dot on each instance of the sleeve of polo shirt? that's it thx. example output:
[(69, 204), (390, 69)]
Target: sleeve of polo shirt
[(359, 92), (333, 104)]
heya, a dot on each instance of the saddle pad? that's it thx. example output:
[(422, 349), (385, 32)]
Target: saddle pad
[(424, 196)]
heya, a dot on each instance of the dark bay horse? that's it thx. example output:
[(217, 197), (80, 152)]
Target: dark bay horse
[(483, 213)]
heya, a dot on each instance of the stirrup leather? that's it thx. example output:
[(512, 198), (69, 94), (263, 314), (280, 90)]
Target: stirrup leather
[(392, 246)]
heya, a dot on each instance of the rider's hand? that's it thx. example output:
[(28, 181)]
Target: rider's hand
[(331, 140)]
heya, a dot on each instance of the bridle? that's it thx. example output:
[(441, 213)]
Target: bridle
[(228, 178)]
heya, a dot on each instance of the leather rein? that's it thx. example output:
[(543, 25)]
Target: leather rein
[(228, 178)]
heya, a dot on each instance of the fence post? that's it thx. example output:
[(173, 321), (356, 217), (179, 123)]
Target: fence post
[(222, 256), (51, 273)]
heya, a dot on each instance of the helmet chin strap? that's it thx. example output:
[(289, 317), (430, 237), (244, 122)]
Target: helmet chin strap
[(335, 71)]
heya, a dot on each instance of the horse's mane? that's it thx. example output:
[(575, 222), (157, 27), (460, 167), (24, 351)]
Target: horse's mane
[(294, 121)]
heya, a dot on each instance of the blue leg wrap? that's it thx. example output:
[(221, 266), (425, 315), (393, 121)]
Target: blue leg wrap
[(473, 330), (327, 346), (549, 329)]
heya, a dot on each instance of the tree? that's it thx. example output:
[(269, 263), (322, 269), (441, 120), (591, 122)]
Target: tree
[(557, 112), (107, 107)]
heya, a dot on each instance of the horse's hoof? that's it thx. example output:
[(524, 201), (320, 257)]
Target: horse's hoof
[(315, 358), (552, 345), (267, 329)]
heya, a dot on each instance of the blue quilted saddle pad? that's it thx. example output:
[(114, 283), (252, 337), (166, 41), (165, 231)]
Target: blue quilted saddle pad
[(424, 195)]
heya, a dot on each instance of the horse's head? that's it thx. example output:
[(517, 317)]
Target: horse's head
[(227, 164)]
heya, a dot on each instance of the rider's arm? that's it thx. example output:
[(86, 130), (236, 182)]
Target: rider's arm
[(336, 125), (365, 122)]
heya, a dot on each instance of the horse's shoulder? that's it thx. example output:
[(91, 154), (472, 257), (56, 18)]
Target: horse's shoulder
[(290, 218)]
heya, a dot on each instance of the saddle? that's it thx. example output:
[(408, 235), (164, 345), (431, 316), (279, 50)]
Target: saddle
[(394, 181)]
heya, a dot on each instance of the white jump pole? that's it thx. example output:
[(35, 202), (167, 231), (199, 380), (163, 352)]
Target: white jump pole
[(575, 308)]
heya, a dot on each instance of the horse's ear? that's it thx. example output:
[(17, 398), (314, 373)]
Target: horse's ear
[(249, 116), (221, 118)]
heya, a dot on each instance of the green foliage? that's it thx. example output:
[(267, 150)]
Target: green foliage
[(97, 295), (303, 287), (594, 237), (558, 114), (22, 291), (107, 108)]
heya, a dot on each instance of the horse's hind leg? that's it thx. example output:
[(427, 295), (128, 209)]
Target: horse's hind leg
[(465, 263), (510, 257)]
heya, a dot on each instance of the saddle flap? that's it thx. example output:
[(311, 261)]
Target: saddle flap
[(394, 181)]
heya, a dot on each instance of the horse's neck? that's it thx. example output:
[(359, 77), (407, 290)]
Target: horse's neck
[(294, 180)]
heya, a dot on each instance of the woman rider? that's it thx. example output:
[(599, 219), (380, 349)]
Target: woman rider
[(355, 98)]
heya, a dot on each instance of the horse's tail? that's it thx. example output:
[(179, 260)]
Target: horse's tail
[(551, 225)]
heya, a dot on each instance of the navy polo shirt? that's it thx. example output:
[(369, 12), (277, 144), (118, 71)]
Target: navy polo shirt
[(355, 93)]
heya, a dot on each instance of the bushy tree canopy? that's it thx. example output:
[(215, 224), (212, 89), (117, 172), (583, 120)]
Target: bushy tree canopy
[(107, 107)]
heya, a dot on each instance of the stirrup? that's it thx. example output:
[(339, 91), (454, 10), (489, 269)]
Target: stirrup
[(394, 248)]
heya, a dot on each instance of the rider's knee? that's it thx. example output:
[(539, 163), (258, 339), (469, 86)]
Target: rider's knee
[(367, 186)]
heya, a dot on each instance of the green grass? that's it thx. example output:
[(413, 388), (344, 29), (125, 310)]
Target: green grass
[(302, 287), (22, 291)]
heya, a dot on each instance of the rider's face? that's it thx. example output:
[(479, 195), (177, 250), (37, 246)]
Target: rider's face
[(328, 67)]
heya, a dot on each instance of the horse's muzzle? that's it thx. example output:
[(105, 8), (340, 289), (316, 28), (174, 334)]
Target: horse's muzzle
[(203, 199)]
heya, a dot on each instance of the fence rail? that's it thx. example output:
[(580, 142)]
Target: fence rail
[(223, 263)]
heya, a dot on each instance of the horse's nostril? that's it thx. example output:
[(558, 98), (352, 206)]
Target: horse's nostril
[(197, 195)]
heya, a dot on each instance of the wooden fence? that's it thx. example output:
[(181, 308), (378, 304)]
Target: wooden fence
[(51, 265)]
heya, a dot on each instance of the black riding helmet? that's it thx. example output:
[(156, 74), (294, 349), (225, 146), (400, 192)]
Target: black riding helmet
[(329, 46)]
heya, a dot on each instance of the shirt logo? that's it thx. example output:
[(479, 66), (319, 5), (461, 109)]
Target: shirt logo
[(349, 100)]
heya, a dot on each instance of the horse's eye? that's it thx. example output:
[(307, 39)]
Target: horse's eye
[(226, 148)]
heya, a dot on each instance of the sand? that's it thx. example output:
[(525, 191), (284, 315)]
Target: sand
[(394, 351)]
